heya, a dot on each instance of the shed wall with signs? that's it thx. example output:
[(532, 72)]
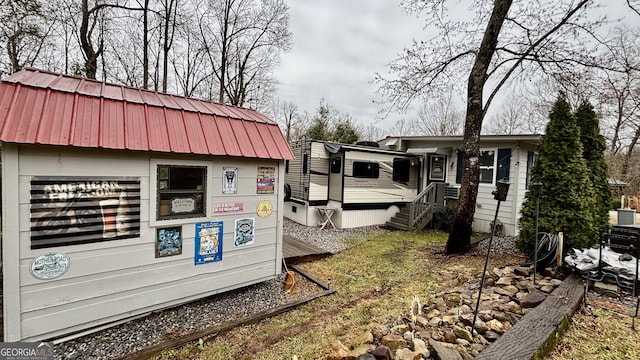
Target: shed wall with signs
[(95, 235)]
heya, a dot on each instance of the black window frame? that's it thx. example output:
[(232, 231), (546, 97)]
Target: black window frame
[(199, 195), (401, 170), (335, 165), (366, 169)]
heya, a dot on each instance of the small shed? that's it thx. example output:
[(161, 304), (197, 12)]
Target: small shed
[(118, 201)]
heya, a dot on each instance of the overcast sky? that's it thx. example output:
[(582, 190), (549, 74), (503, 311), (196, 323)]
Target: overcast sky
[(338, 46)]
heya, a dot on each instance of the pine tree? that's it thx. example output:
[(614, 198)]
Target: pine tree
[(593, 147), (567, 197)]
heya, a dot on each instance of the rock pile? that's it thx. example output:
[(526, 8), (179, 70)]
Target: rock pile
[(442, 328)]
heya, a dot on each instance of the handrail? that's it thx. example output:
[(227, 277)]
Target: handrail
[(422, 205)]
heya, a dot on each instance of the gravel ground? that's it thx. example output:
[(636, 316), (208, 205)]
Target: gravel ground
[(331, 240), (499, 245), (135, 335)]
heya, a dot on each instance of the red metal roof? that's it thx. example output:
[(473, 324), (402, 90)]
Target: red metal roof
[(40, 107)]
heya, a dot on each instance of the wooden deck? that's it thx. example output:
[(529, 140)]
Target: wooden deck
[(297, 251)]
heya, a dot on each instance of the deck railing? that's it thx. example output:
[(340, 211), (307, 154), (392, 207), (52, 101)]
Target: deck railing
[(423, 206)]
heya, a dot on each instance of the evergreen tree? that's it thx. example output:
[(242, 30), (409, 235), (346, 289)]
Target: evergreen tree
[(593, 147), (567, 198), (345, 132), (319, 129)]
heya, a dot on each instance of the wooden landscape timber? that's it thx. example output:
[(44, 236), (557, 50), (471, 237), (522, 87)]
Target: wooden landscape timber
[(538, 332)]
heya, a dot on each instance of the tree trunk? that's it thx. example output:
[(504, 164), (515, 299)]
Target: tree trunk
[(223, 53), (90, 55), (459, 240), (145, 46)]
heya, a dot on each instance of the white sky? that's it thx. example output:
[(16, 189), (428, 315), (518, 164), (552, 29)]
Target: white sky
[(340, 44)]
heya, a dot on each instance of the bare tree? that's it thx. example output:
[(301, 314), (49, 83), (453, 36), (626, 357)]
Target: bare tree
[(371, 132), (517, 115), (243, 40), (501, 43), (439, 117), (25, 28), (91, 32), (620, 91), (402, 127)]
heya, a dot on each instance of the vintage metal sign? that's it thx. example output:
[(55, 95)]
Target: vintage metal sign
[(227, 207), (229, 180), (208, 242), (50, 265), (264, 208), (266, 180), (77, 210), (244, 232), (168, 241)]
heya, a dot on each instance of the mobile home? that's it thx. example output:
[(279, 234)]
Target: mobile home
[(508, 157)]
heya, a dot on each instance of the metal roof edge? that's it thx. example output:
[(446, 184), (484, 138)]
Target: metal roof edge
[(18, 78)]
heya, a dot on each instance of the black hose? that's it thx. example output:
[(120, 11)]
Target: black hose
[(547, 250)]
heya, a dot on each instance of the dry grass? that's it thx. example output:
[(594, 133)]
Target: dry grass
[(374, 282), (599, 334)]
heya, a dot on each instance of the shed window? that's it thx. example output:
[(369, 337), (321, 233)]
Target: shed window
[(369, 170), (401, 170), (181, 191)]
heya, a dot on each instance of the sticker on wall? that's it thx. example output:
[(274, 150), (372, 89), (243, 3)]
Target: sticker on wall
[(168, 241), (244, 232), (264, 208), (266, 180), (50, 265), (208, 242), (229, 180), (228, 207)]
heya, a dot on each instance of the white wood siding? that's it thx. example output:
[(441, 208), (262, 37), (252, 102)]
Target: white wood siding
[(111, 280)]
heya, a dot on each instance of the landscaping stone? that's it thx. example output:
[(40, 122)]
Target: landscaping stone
[(393, 341), (532, 300), (382, 352), (406, 354), (366, 357), (421, 348), (442, 352), (462, 333), (337, 351), (443, 329), (361, 350)]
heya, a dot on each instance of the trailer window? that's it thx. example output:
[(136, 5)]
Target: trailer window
[(369, 170), (401, 170), (181, 191), (336, 165)]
